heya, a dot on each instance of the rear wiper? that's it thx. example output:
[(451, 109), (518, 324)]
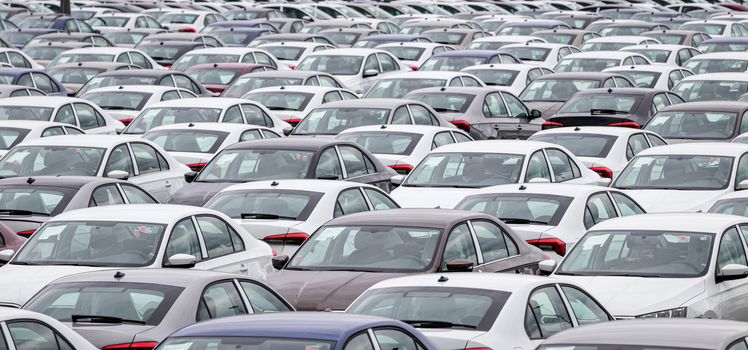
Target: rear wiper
[(277, 108), (521, 221), (265, 216), (103, 319), (437, 324), (20, 212)]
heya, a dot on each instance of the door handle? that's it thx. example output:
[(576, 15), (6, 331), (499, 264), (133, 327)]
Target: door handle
[(243, 268), (168, 184)]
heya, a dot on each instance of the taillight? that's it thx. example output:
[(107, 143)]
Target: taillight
[(627, 125), (290, 238), (197, 166), (187, 30), (293, 121), (167, 67), (603, 171), (551, 125), (26, 234), (143, 345), (462, 124), (413, 67), (292, 67), (553, 244), (402, 169), (126, 121)]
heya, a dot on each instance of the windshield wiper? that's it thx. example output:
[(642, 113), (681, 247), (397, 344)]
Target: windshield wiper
[(522, 221), (262, 216), (103, 319), (437, 324), (24, 263), (625, 274), (20, 212)]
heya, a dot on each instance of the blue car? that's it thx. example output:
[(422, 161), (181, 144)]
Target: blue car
[(32, 77), (298, 331)]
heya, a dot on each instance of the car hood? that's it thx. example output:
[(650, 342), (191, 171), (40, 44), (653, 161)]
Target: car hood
[(632, 296), (21, 282), (197, 193), (429, 197), (546, 109), (101, 335), (320, 290), (667, 201)]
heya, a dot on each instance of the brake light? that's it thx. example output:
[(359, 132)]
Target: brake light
[(413, 67), (290, 238), (143, 345), (551, 125), (462, 124), (126, 121), (26, 234), (187, 30), (627, 125), (402, 169), (293, 121), (197, 166), (553, 244), (292, 67), (603, 171)]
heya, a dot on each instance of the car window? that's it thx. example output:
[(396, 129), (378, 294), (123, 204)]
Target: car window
[(598, 209), (65, 115), (139, 60), (516, 108), (388, 64), (493, 106), (25, 80), (53, 131), (359, 342), (532, 74), (401, 116), (185, 83), (441, 139), (354, 162), (349, 202), (422, 116), (331, 96), (468, 81), (28, 335), (261, 299), (327, 81), (561, 164), (87, 116), (622, 82), (494, 243), (250, 135), (459, 246), (637, 143), (460, 137), (170, 95), (21, 92), (255, 116), (44, 83), (738, 345), (264, 59), (146, 158), (233, 115), (391, 338), (537, 167), (379, 200), (585, 309), (220, 300), (137, 196), (546, 314), (730, 250), (120, 159), (105, 195), (371, 63), (17, 60), (183, 240), (609, 83), (216, 236), (626, 205), (659, 102), (656, 140), (328, 165)]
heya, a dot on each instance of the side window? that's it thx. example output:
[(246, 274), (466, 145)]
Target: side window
[(459, 246), (105, 195), (494, 243), (170, 95), (730, 250), (626, 205), (185, 83), (264, 59), (391, 338), (123, 58), (388, 64), (73, 131), (120, 159), (328, 165), (327, 81), (70, 26), (659, 102), (86, 116), (468, 81), (371, 63), (379, 200), (537, 167), (656, 140), (270, 134), (532, 74), (44, 83), (622, 82), (516, 108), (354, 162), (65, 115), (546, 314), (146, 158), (640, 60), (233, 115), (349, 202), (216, 236), (139, 60), (599, 208), (742, 169), (17, 60), (255, 116), (53, 131), (359, 342), (637, 143), (331, 96), (738, 345), (25, 80), (609, 83), (137, 196), (312, 81), (585, 309), (455, 82), (561, 165), (460, 137), (21, 92), (493, 106), (441, 139), (250, 135), (421, 115), (628, 61), (673, 78), (347, 95), (166, 81), (220, 300), (28, 335), (401, 116), (183, 240), (261, 299)]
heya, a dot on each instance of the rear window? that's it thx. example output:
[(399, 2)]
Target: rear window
[(445, 102), (119, 100), (38, 200), (519, 208), (193, 141), (400, 143), (581, 145), (495, 77), (10, 137), (266, 204), (608, 104)]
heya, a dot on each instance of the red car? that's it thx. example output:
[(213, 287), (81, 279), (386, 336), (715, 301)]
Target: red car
[(217, 76)]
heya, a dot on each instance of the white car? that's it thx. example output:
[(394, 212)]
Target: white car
[(596, 61), (205, 110), (47, 332), (614, 43), (733, 203), (742, 138), (551, 217), (718, 62), (712, 87), (397, 85), (717, 28), (663, 54), (499, 41), (357, 69), (194, 144), (510, 77), (401, 146), (604, 150), (284, 213), (545, 55), (292, 52), (663, 265), (13, 132), (652, 76), (125, 102), (68, 110), (188, 21), (483, 311), (684, 177), (122, 21), (17, 58), (291, 103), (227, 55), (450, 172), (131, 235), (413, 54), (106, 54)]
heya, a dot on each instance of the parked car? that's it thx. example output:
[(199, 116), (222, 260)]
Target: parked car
[(700, 121), (68, 110), (21, 324), (125, 103)]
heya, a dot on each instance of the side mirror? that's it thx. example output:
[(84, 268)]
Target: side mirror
[(306, 18), (279, 261), (459, 265), (547, 267), (287, 131), (534, 114), (182, 261), (190, 176), (370, 73), (743, 185), (6, 255), (397, 179), (539, 180), (118, 174), (727, 272)]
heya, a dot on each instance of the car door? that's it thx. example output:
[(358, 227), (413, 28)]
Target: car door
[(224, 248), (497, 251), (152, 171), (730, 297), (519, 115)]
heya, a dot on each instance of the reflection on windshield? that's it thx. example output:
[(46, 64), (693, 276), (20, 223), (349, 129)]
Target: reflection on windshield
[(397, 88), (256, 164), (469, 170), (678, 172), (153, 117), (51, 160), (331, 121), (585, 65), (694, 125)]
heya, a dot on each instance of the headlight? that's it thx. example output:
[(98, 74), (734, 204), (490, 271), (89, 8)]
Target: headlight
[(677, 312)]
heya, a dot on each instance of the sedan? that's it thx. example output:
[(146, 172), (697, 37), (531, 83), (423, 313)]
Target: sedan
[(399, 84), (661, 77), (718, 62), (74, 75), (596, 61), (162, 77), (664, 54), (226, 55), (35, 78), (413, 54), (68, 110), (255, 80), (136, 235), (292, 103), (700, 121), (216, 77), (349, 254), (47, 332), (544, 55), (13, 132), (125, 103), (105, 54), (712, 87)]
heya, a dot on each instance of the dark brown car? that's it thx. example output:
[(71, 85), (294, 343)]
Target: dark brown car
[(353, 252)]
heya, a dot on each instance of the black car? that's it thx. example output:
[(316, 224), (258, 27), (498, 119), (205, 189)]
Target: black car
[(145, 77), (626, 107), (283, 158)]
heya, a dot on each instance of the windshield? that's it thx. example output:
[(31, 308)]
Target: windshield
[(331, 121), (281, 100), (488, 45), (444, 102), (552, 90), (87, 57), (670, 39), (119, 100), (641, 78), (189, 60), (676, 172), (581, 145), (468, 170), (93, 243), (445, 37), (710, 90), (400, 143), (157, 116), (367, 248), (703, 66), (342, 38), (256, 164), (656, 56), (266, 204), (607, 103), (10, 137), (712, 29), (520, 30), (192, 141), (288, 53), (242, 86), (585, 64), (213, 76), (529, 53), (639, 253), (177, 18), (542, 209), (333, 64), (450, 64), (565, 39), (397, 88), (495, 77), (722, 47), (434, 307), (51, 160), (125, 38), (700, 125), (161, 53), (116, 80), (44, 53), (244, 343), (405, 53), (36, 200), (35, 22)]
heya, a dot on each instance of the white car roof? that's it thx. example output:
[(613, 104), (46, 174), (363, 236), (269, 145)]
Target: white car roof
[(151, 213), (226, 127), (710, 21), (135, 88), (297, 88), (100, 141), (120, 14), (189, 12), (676, 222), (40, 101), (601, 130), (520, 67), (205, 102), (503, 38), (699, 148), (322, 186), (556, 189), (31, 124), (721, 56), (345, 52), (492, 281), (541, 45), (732, 76), (98, 50), (415, 129), (412, 44), (495, 146), (603, 54), (620, 39)]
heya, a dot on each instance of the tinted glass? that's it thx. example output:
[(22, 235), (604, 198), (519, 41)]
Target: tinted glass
[(466, 170), (682, 172), (256, 164), (51, 160)]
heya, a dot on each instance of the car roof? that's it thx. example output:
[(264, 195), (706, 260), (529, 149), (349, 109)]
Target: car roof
[(509, 282), (171, 277), (602, 130), (225, 127), (455, 89), (422, 75), (494, 146), (406, 128), (732, 76), (18, 71), (135, 88), (135, 72), (152, 213), (97, 50), (39, 101), (205, 102), (300, 143), (708, 106), (699, 148), (388, 103), (9, 313), (411, 217), (347, 52), (660, 68)]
